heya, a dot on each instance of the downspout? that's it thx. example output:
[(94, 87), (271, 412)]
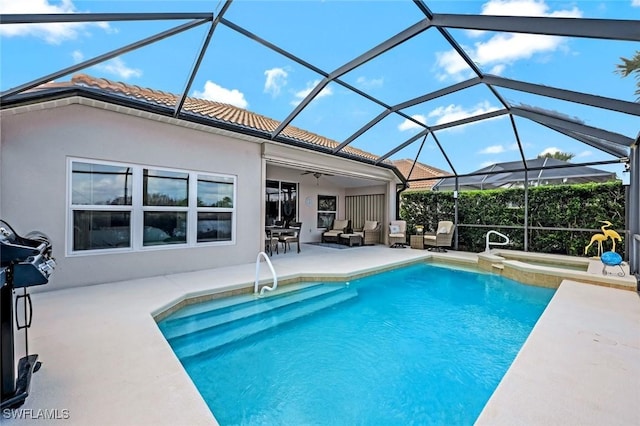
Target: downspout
[(401, 187)]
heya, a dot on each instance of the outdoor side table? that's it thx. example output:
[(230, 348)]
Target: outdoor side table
[(417, 242)]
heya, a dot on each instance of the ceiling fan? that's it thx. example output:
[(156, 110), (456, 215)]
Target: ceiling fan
[(316, 175)]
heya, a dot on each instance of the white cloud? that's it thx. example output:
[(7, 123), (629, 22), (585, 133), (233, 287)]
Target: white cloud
[(116, 66), (300, 95), (498, 69), (370, 83), (408, 124), (503, 49), (525, 8), (493, 149), (551, 150), (276, 80), (54, 33), (77, 56), (456, 112), (498, 149), (635, 3), (453, 65), (214, 92)]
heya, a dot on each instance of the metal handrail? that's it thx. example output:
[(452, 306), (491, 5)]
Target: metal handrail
[(536, 228), (273, 272), (496, 243)]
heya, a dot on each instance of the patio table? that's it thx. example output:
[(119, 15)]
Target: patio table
[(277, 231)]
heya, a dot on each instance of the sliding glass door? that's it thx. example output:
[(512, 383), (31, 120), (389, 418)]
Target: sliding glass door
[(282, 202)]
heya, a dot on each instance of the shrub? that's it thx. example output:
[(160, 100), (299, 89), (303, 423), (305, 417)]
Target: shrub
[(573, 207)]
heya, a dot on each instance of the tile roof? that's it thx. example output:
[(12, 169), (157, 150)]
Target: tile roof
[(420, 171), (208, 109)]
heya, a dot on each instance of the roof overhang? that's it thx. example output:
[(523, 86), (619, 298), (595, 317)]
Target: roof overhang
[(305, 155)]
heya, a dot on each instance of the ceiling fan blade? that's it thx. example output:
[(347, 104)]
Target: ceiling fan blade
[(316, 175)]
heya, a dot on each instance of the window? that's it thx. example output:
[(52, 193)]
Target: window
[(101, 200), (327, 208), (129, 207), (281, 202), (165, 201), (215, 208)]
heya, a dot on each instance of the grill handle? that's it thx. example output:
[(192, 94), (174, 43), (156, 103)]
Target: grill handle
[(27, 318)]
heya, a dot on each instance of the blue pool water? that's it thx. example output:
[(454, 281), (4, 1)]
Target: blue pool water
[(418, 345)]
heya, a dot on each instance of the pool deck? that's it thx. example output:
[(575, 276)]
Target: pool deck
[(106, 363)]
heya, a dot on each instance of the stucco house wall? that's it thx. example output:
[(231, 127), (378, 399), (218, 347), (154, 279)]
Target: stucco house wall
[(36, 143)]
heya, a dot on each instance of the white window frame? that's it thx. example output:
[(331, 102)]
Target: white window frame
[(137, 209), (318, 211)]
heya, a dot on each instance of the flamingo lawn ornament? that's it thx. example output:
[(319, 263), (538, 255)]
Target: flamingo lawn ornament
[(600, 238), (610, 233)]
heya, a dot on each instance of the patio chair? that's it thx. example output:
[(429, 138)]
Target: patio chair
[(442, 238), (338, 227), (270, 243), (370, 232), (398, 233), (294, 237)]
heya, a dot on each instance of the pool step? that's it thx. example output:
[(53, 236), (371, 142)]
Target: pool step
[(204, 308), (218, 312), (208, 333)]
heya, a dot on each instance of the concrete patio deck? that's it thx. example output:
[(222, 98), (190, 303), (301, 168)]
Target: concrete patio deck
[(106, 363)]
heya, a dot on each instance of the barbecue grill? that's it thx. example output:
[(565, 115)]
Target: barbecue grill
[(24, 262)]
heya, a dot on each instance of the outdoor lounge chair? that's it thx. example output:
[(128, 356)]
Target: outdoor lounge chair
[(338, 227), (294, 237), (370, 232), (442, 237), (398, 233)]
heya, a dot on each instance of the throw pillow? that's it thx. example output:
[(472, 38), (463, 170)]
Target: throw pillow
[(443, 230), (394, 229)]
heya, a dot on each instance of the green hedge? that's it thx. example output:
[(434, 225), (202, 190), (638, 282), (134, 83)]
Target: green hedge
[(557, 206)]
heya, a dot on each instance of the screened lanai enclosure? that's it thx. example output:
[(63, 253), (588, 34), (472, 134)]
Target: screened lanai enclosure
[(455, 85)]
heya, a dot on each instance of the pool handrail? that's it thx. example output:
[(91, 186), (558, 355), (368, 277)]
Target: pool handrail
[(273, 272), (496, 243)]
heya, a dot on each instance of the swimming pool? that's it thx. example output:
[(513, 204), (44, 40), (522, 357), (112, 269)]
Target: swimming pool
[(422, 344)]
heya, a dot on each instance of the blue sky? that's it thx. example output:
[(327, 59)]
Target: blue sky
[(328, 34)]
